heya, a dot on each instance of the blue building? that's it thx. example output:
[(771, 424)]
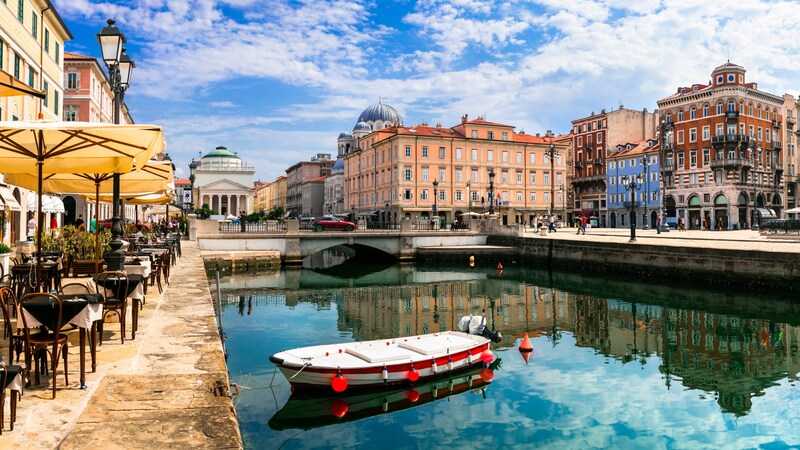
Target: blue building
[(630, 161)]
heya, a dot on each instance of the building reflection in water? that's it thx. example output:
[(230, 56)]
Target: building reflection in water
[(735, 357)]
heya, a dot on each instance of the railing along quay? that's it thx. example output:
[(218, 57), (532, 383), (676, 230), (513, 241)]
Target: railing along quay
[(280, 227)]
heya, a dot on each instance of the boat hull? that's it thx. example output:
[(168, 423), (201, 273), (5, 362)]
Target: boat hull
[(398, 362)]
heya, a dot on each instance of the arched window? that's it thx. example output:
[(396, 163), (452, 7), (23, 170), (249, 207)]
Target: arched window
[(705, 110), (668, 117), (758, 111), (750, 108), (680, 116), (693, 113), (719, 107), (731, 105)]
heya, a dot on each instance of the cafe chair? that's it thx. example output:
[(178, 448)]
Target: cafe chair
[(15, 336), (74, 289), (8, 373), (50, 343), (115, 286), (155, 273), (5, 280)]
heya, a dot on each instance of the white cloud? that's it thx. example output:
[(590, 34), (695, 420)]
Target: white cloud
[(223, 104)]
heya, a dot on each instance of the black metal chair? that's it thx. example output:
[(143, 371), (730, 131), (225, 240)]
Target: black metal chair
[(15, 336), (51, 343), (115, 286)]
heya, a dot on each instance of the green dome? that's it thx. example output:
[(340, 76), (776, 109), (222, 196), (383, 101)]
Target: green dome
[(221, 152)]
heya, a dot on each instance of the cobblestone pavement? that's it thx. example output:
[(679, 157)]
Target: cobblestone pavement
[(152, 392)]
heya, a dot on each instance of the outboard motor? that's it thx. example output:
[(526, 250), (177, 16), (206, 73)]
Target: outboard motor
[(477, 325)]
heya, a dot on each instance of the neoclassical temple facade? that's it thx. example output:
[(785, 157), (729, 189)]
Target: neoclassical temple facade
[(224, 182)]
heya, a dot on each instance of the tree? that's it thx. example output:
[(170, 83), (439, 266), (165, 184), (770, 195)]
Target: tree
[(205, 212)]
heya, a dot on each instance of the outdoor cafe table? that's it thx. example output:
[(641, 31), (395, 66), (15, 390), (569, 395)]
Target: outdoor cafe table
[(24, 272), (81, 310), (135, 292)]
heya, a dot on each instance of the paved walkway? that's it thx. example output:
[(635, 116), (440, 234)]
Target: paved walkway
[(154, 392), (737, 240)]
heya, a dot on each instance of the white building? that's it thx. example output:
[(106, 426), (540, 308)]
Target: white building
[(224, 182)]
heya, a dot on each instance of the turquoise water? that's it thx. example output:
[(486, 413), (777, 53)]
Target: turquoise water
[(615, 364)]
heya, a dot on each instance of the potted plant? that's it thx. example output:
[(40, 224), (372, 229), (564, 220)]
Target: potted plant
[(5, 254)]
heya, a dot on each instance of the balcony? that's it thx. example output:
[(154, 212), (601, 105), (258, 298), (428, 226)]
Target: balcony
[(732, 116), (777, 145), (589, 147), (579, 164), (634, 204), (667, 147), (668, 167), (776, 124), (730, 163), (790, 122), (598, 161), (589, 179), (730, 140)]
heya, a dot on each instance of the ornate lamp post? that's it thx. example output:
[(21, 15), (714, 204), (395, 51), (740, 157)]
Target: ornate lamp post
[(753, 163), (491, 192), (551, 153), (119, 66), (435, 194), (192, 169), (666, 135), (632, 184)]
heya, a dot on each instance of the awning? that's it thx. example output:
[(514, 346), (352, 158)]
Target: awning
[(50, 204), (766, 213), (7, 198)]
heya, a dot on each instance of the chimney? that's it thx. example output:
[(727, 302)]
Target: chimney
[(464, 118)]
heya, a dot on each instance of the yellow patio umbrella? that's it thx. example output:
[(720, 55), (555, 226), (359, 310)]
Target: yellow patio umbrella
[(155, 198), (155, 176), (46, 147), (10, 87)]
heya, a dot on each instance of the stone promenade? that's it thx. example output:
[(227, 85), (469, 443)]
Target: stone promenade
[(152, 392)]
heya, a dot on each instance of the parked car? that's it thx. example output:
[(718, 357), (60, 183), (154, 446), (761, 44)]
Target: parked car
[(333, 223), (141, 226)]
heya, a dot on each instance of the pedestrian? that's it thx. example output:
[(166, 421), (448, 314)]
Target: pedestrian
[(53, 226), (583, 224), (31, 228), (79, 222), (93, 224), (552, 228), (588, 227)]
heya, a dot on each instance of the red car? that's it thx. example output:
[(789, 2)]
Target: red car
[(333, 223)]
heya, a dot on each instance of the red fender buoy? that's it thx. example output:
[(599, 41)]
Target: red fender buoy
[(526, 345), (499, 266)]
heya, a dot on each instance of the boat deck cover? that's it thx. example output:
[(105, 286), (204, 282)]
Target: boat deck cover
[(376, 353), (437, 344)]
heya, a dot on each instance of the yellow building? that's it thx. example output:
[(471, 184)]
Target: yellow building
[(32, 37), (392, 172), (261, 201), (275, 193)]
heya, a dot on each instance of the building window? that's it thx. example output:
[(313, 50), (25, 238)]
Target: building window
[(46, 93), (490, 155), (423, 194), (547, 178), (57, 57), (693, 135), (474, 195), (706, 133), (505, 157), (442, 175), (442, 194), (2, 55), (441, 152), (731, 105), (719, 107), (407, 195), (706, 156), (16, 66), (458, 175), (408, 150), (532, 177), (533, 158), (30, 76), (21, 10), (34, 25), (424, 152), (474, 175), (533, 197), (55, 102), (519, 177), (72, 80), (407, 174), (705, 110), (474, 134), (679, 137), (46, 40), (693, 113), (490, 135), (504, 177), (693, 158), (474, 154), (459, 196), (612, 181), (680, 116), (519, 197), (680, 159), (458, 153), (424, 174), (505, 135)]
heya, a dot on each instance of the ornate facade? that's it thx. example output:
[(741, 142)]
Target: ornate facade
[(224, 182)]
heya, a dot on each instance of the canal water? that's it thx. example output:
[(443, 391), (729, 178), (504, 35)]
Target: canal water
[(615, 364)]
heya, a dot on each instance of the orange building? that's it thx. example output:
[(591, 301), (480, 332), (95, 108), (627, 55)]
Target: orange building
[(396, 172), (87, 93)]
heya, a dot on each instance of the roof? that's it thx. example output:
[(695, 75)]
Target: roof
[(639, 148), (70, 55), (381, 112), (534, 139), (482, 121), (181, 182), (316, 180), (221, 152)]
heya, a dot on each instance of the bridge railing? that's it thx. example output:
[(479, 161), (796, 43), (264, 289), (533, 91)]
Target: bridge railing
[(785, 225), (253, 227)]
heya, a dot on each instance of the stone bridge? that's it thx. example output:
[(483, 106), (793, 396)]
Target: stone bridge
[(295, 244)]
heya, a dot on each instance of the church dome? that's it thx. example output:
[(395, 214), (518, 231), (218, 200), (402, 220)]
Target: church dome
[(380, 112), (361, 125), (345, 135), (221, 152), (338, 166)]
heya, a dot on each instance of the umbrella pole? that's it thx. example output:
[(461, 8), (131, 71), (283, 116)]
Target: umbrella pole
[(39, 281), (96, 224)]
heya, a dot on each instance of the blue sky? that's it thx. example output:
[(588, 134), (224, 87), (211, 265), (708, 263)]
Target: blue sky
[(278, 80)]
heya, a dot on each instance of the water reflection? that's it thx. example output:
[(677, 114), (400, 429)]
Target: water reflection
[(604, 350)]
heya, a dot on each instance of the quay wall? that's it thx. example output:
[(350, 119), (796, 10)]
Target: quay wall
[(711, 266)]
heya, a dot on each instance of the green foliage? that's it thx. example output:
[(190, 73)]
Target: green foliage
[(80, 244), (276, 213), (4, 248), (205, 212)]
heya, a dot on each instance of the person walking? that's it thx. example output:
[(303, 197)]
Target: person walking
[(552, 228), (583, 224), (31, 228), (79, 222)]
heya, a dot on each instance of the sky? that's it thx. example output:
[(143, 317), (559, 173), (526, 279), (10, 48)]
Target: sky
[(276, 81)]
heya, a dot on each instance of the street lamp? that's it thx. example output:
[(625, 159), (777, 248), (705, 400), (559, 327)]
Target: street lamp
[(646, 165), (632, 184), (563, 203), (435, 192), (119, 66), (192, 169), (753, 163), (551, 153), (491, 192), (666, 135)]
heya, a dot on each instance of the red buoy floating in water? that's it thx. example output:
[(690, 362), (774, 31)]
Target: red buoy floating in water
[(525, 348), (499, 266), (339, 383), (339, 408), (412, 395), (487, 356), (487, 375)]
